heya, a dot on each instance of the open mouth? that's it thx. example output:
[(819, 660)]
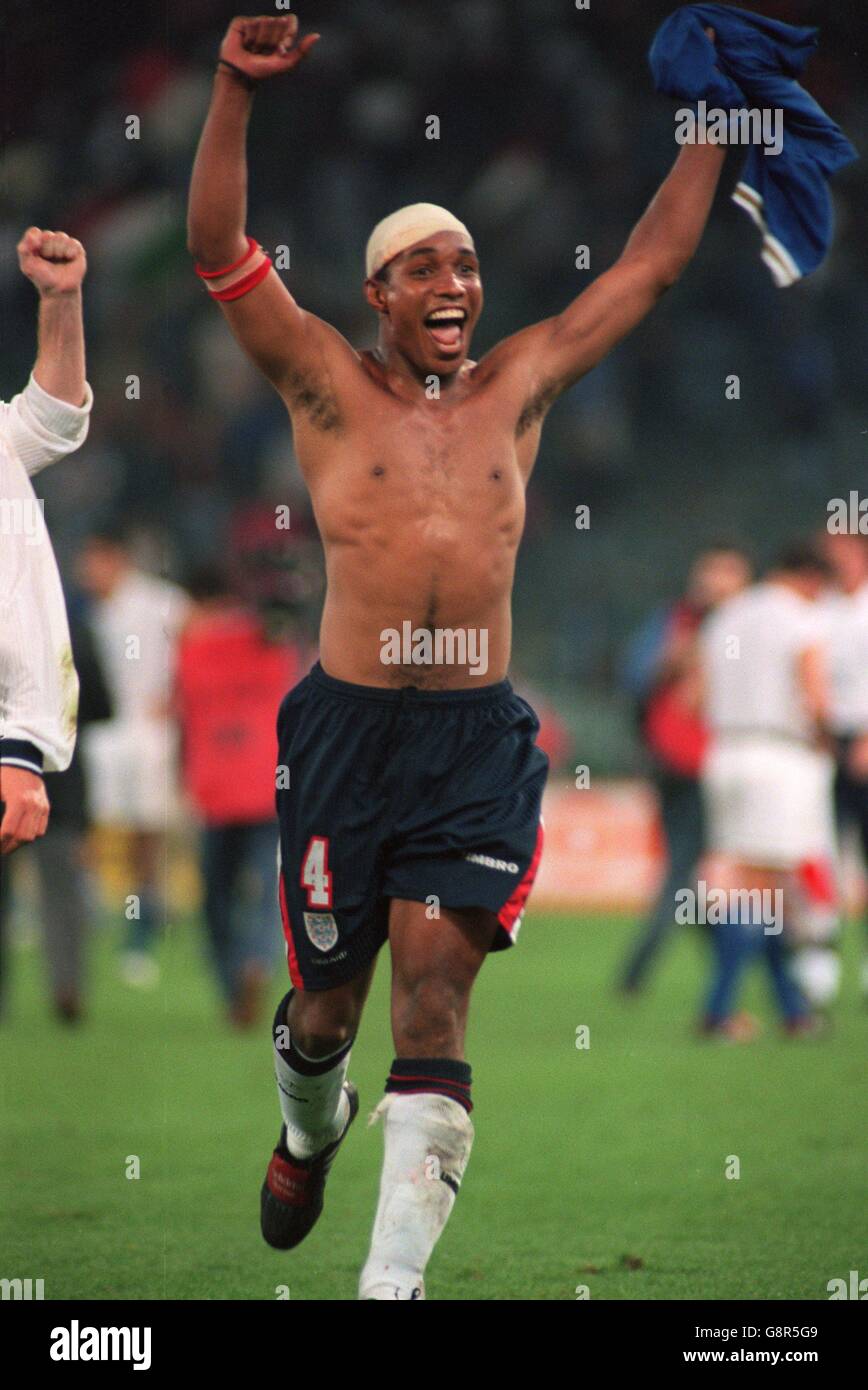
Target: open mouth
[(446, 326)]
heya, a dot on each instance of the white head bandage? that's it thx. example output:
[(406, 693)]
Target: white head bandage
[(404, 228)]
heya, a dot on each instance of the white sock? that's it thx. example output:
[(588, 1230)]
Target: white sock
[(427, 1145), (817, 972), (313, 1104)]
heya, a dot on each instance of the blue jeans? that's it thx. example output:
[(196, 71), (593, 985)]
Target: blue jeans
[(242, 921), (681, 813), (735, 947)]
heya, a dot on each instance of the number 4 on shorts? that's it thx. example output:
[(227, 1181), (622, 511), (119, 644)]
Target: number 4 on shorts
[(315, 876)]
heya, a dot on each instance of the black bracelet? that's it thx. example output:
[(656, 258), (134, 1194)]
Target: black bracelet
[(248, 82)]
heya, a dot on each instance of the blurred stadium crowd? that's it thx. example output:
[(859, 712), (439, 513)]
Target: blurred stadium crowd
[(551, 136)]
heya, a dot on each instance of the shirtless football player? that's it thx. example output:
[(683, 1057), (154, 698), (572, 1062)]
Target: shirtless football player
[(412, 807)]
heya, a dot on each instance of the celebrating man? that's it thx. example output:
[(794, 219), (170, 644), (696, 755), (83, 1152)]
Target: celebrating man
[(408, 791)]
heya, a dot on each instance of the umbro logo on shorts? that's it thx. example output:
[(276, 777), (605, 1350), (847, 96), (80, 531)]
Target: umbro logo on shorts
[(322, 929), (504, 866)]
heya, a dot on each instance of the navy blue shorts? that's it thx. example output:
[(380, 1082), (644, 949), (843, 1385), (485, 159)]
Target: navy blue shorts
[(428, 795)]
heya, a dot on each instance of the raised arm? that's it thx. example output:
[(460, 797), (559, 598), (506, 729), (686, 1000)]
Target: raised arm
[(556, 353), (56, 265), (267, 321), (656, 255), (551, 356), (49, 418)]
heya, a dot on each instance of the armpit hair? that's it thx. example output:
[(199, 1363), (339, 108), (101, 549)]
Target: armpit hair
[(309, 395), (537, 407)]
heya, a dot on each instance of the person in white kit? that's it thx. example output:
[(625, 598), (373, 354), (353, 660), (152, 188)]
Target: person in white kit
[(131, 759), (848, 666), (43, 423), (768, 777)]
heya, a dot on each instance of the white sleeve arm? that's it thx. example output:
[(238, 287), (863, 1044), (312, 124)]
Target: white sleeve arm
[(39, 428), (38, 682)]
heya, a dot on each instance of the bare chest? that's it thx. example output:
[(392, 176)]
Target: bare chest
[(454, 459)]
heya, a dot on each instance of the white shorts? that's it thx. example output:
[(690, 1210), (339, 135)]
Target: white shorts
[(131, 774), (768, 800)]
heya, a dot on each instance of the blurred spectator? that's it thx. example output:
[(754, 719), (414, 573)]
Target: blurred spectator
[(60, 857), (848, 666), (662, 674), (231, 679), (136, 618), (767, 780)]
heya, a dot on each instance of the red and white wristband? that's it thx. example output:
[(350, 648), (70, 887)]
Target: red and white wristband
[(233, 281)]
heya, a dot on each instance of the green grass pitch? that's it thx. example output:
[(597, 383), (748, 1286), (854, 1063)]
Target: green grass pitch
[(602, 1167)]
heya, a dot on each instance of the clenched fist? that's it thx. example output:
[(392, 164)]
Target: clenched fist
[(26, 815), (55, 262), (264, 47)]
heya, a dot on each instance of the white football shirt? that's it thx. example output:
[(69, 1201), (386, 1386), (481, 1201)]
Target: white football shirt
[(750, 652), (847, 616), (136, 630)]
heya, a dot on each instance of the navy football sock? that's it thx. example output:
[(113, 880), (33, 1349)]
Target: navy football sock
[(440, 1075)]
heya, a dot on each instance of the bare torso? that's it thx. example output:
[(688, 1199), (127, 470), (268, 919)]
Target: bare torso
[(419, 502), (420, 505)]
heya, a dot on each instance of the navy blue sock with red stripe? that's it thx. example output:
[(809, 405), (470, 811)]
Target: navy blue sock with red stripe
[(440, 1075)]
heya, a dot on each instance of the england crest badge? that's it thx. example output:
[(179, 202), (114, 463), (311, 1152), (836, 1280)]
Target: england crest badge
[(322, 929)]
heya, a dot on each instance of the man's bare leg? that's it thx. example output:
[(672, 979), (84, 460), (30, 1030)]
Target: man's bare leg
[(426, 1111), (324, 1020), (313, 1034)]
